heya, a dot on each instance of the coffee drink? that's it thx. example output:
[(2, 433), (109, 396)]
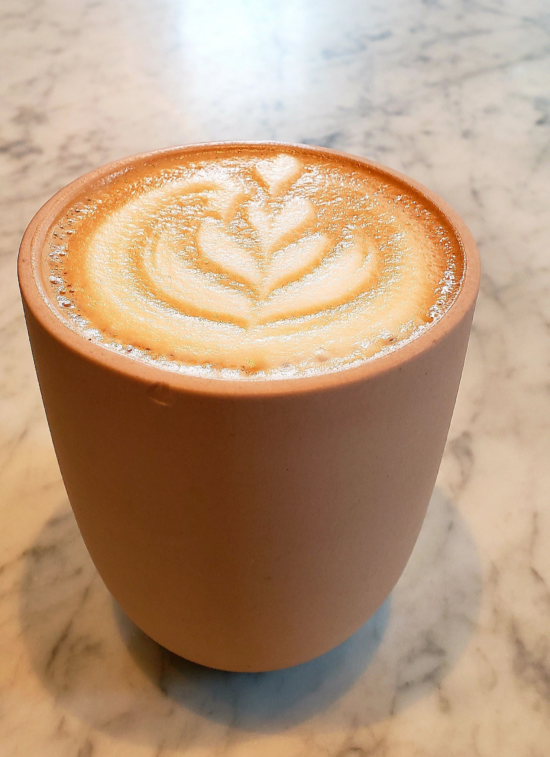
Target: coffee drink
[(249, 524), (251, 262)]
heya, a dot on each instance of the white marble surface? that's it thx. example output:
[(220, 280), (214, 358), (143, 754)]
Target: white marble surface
[(455, 93)]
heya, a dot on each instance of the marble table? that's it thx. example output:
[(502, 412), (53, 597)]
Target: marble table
[(455, 93)]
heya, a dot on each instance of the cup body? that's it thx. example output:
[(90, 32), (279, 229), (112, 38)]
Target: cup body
[(247, 525)]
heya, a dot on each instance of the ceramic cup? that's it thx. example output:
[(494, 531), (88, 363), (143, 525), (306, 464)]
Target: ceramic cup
[(247, 525)]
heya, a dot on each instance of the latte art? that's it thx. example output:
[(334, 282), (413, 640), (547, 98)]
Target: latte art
[(254, 262)]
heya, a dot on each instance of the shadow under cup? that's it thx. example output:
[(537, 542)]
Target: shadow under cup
[(247, 525)]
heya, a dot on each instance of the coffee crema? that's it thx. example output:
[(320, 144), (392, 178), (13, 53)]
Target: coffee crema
[(256, 261)]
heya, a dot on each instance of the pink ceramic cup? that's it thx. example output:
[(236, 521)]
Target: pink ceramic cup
[(247, 525)]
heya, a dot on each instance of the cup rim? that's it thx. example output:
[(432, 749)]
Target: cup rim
[(36, 300)]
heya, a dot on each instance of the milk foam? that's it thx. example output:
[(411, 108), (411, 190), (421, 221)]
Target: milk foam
[(257, 262)]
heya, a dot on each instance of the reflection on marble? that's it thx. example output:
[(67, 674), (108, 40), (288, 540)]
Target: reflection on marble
[(457, 662)]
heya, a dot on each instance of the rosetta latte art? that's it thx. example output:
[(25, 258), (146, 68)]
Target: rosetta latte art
[(262, 265)]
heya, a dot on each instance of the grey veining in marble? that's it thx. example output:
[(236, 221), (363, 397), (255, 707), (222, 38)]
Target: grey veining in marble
[(454, 93)]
